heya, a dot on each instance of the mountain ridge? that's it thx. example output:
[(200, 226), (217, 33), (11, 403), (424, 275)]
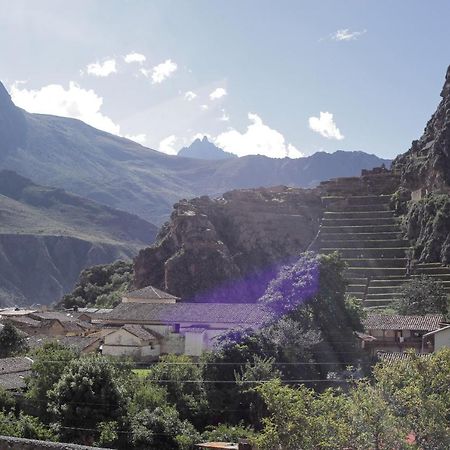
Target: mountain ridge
[(120, 173)]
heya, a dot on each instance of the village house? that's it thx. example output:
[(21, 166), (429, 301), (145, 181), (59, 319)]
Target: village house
[(134, 341), (179, 328), (149, 294), (13, 372), (397, 333), (80, 344), (50, 323)]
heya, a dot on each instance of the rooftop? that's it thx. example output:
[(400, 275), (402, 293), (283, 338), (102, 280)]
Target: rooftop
[(250, 314), (150, 293), (140, 332), (428, 322)]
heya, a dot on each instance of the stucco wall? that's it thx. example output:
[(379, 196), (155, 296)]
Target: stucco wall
[(442, 339)]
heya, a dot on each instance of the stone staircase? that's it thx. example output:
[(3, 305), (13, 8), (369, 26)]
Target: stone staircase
[(367, 234)]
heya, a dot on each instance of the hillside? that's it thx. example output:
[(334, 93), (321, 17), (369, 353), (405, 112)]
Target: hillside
[(69, 154), (47, 236)]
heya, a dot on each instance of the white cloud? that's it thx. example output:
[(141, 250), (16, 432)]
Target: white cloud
[(74, 102), (139, 138), (167, 145), (160, 72), (325, 126), (217, 93), (134, 58), (204, 107), (103, 69), (190, 95), (259, 139), (346, 35)]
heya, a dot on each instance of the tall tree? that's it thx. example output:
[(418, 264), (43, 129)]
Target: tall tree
[(12, 342)]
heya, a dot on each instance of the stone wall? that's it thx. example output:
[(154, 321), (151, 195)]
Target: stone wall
[(13, 443)]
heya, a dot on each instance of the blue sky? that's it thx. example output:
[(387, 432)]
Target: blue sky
[(278, 78)]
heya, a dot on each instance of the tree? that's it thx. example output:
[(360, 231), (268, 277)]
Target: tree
[(183, 381), (89, 392), (7, 401), (422, 295), (373, 423), (25, 427), (12, 341), (418, 392), (162, 429), (100, 285), (49, 363), (301, 419)]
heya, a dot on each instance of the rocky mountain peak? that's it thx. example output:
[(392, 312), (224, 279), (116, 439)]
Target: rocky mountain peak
[(12, 123), (204, 149), (427, 163), (446, 88)]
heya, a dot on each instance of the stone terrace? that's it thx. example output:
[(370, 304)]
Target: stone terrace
[(363, 228)]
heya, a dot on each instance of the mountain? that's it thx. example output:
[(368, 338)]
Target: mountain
[(47, 236), (427, 163), (69, 154), (227, 249), (204, 149)]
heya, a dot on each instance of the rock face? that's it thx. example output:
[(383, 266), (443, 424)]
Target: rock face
[(427, 163), (228, 249)]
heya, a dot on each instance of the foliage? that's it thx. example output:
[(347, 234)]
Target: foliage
[(12, 342), (373, 423), (7, 401), (25, 427), (108, 435), (101, 286), (418, 392), (407, 406), (301, 419), (49, 363), (428, 226), (183, 381), (227, 433), (162, 428), (422, 295), (88, 393)]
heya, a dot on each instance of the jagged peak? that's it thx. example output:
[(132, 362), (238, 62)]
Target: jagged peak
[(5, 98), (446, 88)]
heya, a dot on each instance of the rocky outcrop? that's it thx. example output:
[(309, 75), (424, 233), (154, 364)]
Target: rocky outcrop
[(227, 249), (427, 163)]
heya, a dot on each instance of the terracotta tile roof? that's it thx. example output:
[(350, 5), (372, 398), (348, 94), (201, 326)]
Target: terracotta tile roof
[(14, 381), (141, 332), (393, 357), (24, 320), (151, 293), (78, 343), (15, 364), (428, 322), (250, 314)]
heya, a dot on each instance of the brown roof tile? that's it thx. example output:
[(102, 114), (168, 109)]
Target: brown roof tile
[(150, 292), (428, 322), (250, 314)]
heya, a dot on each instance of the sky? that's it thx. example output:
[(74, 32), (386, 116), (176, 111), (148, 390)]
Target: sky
[(284, 78)]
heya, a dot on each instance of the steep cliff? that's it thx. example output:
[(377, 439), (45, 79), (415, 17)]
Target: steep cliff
[(426, 166), (427, 163), (227, 249)]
